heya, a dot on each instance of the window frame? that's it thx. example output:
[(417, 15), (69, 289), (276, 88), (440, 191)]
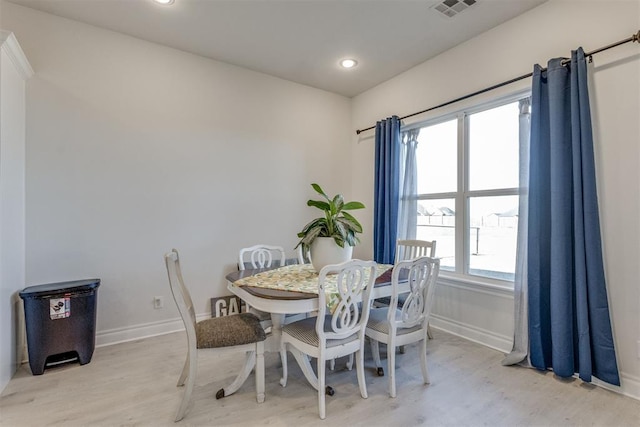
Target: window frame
[(463, 194)]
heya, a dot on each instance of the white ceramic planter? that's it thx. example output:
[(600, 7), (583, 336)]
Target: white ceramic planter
[(325, 251)]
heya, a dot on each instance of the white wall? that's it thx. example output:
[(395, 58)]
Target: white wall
[(134, 148), (14, 70), (507, 51)]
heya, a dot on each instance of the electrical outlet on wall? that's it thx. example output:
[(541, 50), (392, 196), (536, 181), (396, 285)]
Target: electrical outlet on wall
[(158, 302)]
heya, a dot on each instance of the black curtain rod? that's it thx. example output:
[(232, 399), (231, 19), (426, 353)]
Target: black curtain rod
[(633, 38)]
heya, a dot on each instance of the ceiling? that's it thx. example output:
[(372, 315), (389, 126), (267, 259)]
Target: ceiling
[(300, 40)]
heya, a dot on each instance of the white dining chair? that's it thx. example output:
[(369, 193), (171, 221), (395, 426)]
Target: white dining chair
[(261, 256), (408, 324), (265, 256), (410, 249), (304, 255), (240, 333), (337, 334)]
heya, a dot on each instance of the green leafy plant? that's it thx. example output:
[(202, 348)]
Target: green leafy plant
[(335, 223)]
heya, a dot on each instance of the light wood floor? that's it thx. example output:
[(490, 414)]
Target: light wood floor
[(133, 384)]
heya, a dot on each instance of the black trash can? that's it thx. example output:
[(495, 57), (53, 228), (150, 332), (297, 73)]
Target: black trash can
[(61, 322)]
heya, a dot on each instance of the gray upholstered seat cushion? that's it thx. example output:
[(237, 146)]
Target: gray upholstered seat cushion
[(305, 331), (227, 331), (378, 321)]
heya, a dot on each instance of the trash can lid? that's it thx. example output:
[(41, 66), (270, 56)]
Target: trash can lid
[(51, 289)]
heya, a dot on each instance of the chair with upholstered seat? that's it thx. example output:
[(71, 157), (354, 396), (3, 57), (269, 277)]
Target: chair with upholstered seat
[(407, 250), (304, 257), (333, 334), (240, 333), (407, 324), (410, 249)]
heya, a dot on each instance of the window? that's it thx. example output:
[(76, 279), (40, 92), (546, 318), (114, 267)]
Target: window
[(468, 188)]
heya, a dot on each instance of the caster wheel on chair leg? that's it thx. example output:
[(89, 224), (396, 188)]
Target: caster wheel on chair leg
[(220, 394), (329, 390), (380, 372)]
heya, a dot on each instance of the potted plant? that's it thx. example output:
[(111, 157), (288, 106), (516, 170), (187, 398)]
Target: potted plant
[(330, 238)]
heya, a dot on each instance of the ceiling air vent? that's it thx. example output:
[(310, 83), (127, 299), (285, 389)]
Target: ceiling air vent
[(451, 8)]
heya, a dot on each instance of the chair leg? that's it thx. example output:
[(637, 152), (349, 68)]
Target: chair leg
[(423, 361), (283, 360), (429, 334), (321, 387), (350, 362), (185, 372), (260, 371), (391, 368), (191, 380), (305, 366), (249, 363), (332, 364), (360, 371), (375, 352)]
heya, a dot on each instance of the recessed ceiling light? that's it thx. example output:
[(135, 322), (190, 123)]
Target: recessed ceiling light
[(164, 2), (348, 63)]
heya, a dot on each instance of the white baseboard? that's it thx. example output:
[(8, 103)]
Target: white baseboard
[(629, 385), (472, 333), (145, 330), (132, 333)]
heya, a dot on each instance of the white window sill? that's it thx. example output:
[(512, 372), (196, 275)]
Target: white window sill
[(476, 284)]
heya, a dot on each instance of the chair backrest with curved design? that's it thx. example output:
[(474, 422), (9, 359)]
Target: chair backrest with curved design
[(421, 275), (355, 280), (411, 249), (261, 256)]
